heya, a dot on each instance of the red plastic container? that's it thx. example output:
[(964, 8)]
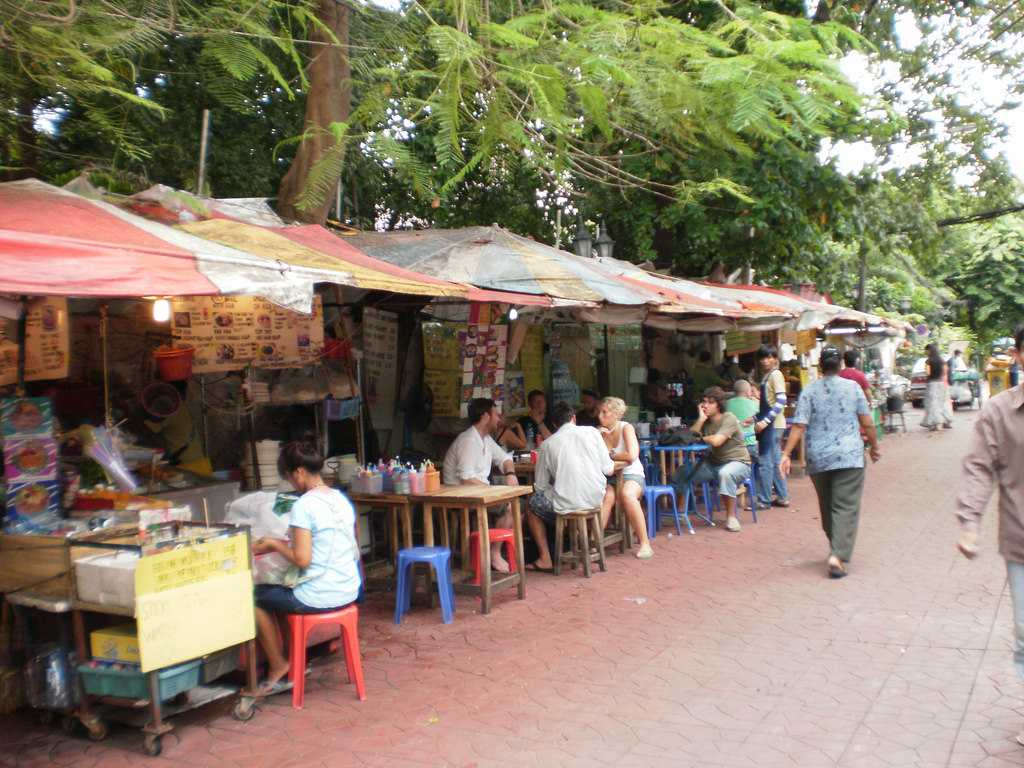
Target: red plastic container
[(174, 364)]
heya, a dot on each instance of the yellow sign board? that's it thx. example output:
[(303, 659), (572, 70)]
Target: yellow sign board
[(193, 601), (739, 342)]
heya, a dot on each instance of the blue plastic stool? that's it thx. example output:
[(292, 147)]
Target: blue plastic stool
[(651, 495), (440, 559), (751, 485)]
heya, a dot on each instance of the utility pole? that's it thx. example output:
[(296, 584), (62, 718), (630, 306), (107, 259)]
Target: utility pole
[(862, 283)]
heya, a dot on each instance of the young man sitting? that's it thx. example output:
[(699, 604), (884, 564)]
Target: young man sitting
[(472, 456), (728, 461), (572, 472)]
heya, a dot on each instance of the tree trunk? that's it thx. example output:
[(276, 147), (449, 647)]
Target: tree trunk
[(862, 283), (329, 100)]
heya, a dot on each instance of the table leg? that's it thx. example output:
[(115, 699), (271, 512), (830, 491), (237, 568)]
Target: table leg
[(664, 468), (517, 536), (446, 536), (392, 535), (485, 559), (464, 543), (428, 525), (406, 512)]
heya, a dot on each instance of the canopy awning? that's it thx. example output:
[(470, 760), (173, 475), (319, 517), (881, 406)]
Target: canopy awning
[(808, 314), (492, 258), (54, 242)]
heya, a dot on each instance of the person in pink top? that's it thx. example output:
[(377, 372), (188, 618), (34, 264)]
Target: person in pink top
[(851, 372)]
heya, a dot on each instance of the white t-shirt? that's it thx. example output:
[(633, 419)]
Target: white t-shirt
[(333, 572), (573, 467), (471, 458)]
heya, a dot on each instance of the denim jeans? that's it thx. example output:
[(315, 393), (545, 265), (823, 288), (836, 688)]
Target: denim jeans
[(1015, 574), (730, 476), (769, 475)]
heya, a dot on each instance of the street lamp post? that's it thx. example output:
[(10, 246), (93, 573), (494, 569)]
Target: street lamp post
[(582, 243), (605, 245)]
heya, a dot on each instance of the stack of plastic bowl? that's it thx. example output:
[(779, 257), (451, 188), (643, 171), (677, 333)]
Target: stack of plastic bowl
[(266, 455)]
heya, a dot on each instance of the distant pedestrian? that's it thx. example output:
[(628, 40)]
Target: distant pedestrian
[(833, 412), (850, 371), (936, 399), (994, 461)]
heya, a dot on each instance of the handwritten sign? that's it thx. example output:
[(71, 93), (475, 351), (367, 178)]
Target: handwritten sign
[(47, 343), (531, 358), (445, 387), (738, 342), (380, 356), (230, 332), (193, 601), (484, 349), (441, 351)]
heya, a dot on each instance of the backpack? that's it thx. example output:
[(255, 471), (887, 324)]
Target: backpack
[(678, 436)]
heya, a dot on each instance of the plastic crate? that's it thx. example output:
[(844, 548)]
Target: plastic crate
[(131, 684), (219, 664)]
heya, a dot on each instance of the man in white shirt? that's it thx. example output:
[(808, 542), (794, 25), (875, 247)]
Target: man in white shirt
[(470, 458), (572, 472)]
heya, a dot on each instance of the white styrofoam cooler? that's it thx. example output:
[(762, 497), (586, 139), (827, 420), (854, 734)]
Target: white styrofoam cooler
[(107, 579)]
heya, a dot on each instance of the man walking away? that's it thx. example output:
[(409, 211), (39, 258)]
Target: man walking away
[(850, 359), (994, 460), (833, 412), (572, 472)]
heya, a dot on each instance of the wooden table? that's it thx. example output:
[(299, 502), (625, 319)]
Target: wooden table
[(478, 498), (399, 509)]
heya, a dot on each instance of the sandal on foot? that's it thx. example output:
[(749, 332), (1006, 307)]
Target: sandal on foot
[(272, 689)]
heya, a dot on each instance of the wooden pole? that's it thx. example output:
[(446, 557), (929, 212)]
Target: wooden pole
[(104, 346), (204, 141), (22, 341), (206, 513)]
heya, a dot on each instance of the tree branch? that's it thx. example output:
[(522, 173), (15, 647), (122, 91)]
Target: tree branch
[(980, 216)]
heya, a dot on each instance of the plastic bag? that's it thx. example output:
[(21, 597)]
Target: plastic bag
[(271, 568), (257, 511)]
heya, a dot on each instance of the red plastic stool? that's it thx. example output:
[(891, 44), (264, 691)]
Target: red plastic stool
[(503, 535), (301, 624)]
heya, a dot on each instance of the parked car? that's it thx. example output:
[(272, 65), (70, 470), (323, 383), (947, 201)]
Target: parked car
[(918, 382)]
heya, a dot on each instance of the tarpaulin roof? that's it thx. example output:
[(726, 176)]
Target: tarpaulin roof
[(495, 259), (54, 242), (809, 314), (314, 246)]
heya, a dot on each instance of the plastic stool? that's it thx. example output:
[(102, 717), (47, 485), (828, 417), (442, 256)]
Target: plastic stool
[(301, 624), (503, 535), (651, 495), (751, 485), (440, 558)]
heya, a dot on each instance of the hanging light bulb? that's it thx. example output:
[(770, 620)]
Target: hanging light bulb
[(161, 310), (513, 314)]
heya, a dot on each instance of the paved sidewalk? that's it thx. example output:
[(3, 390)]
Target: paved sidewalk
[(724, 650)]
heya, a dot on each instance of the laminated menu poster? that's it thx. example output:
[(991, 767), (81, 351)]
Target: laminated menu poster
[(380, 365), (47, 343), (230, 332), (484, 349)]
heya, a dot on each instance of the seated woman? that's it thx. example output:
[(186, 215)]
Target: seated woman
[(628, 487), (510, 435), (322, 544)]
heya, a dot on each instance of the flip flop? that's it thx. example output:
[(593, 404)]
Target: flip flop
[(536, 568), (836, 572), (279, 686)]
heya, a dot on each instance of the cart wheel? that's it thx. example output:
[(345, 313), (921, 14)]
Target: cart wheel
[(98, 730), (153, 745), (245, 708)]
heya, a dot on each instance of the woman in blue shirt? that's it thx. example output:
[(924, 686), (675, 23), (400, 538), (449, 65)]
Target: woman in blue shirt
[(322, 544)]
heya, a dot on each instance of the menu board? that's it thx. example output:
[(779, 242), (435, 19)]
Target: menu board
[(531, 358), (515, 391), (230, 332), (444, 385), (47, 343), (380, 359), (441, 346), (738, 342), (484, 348)]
